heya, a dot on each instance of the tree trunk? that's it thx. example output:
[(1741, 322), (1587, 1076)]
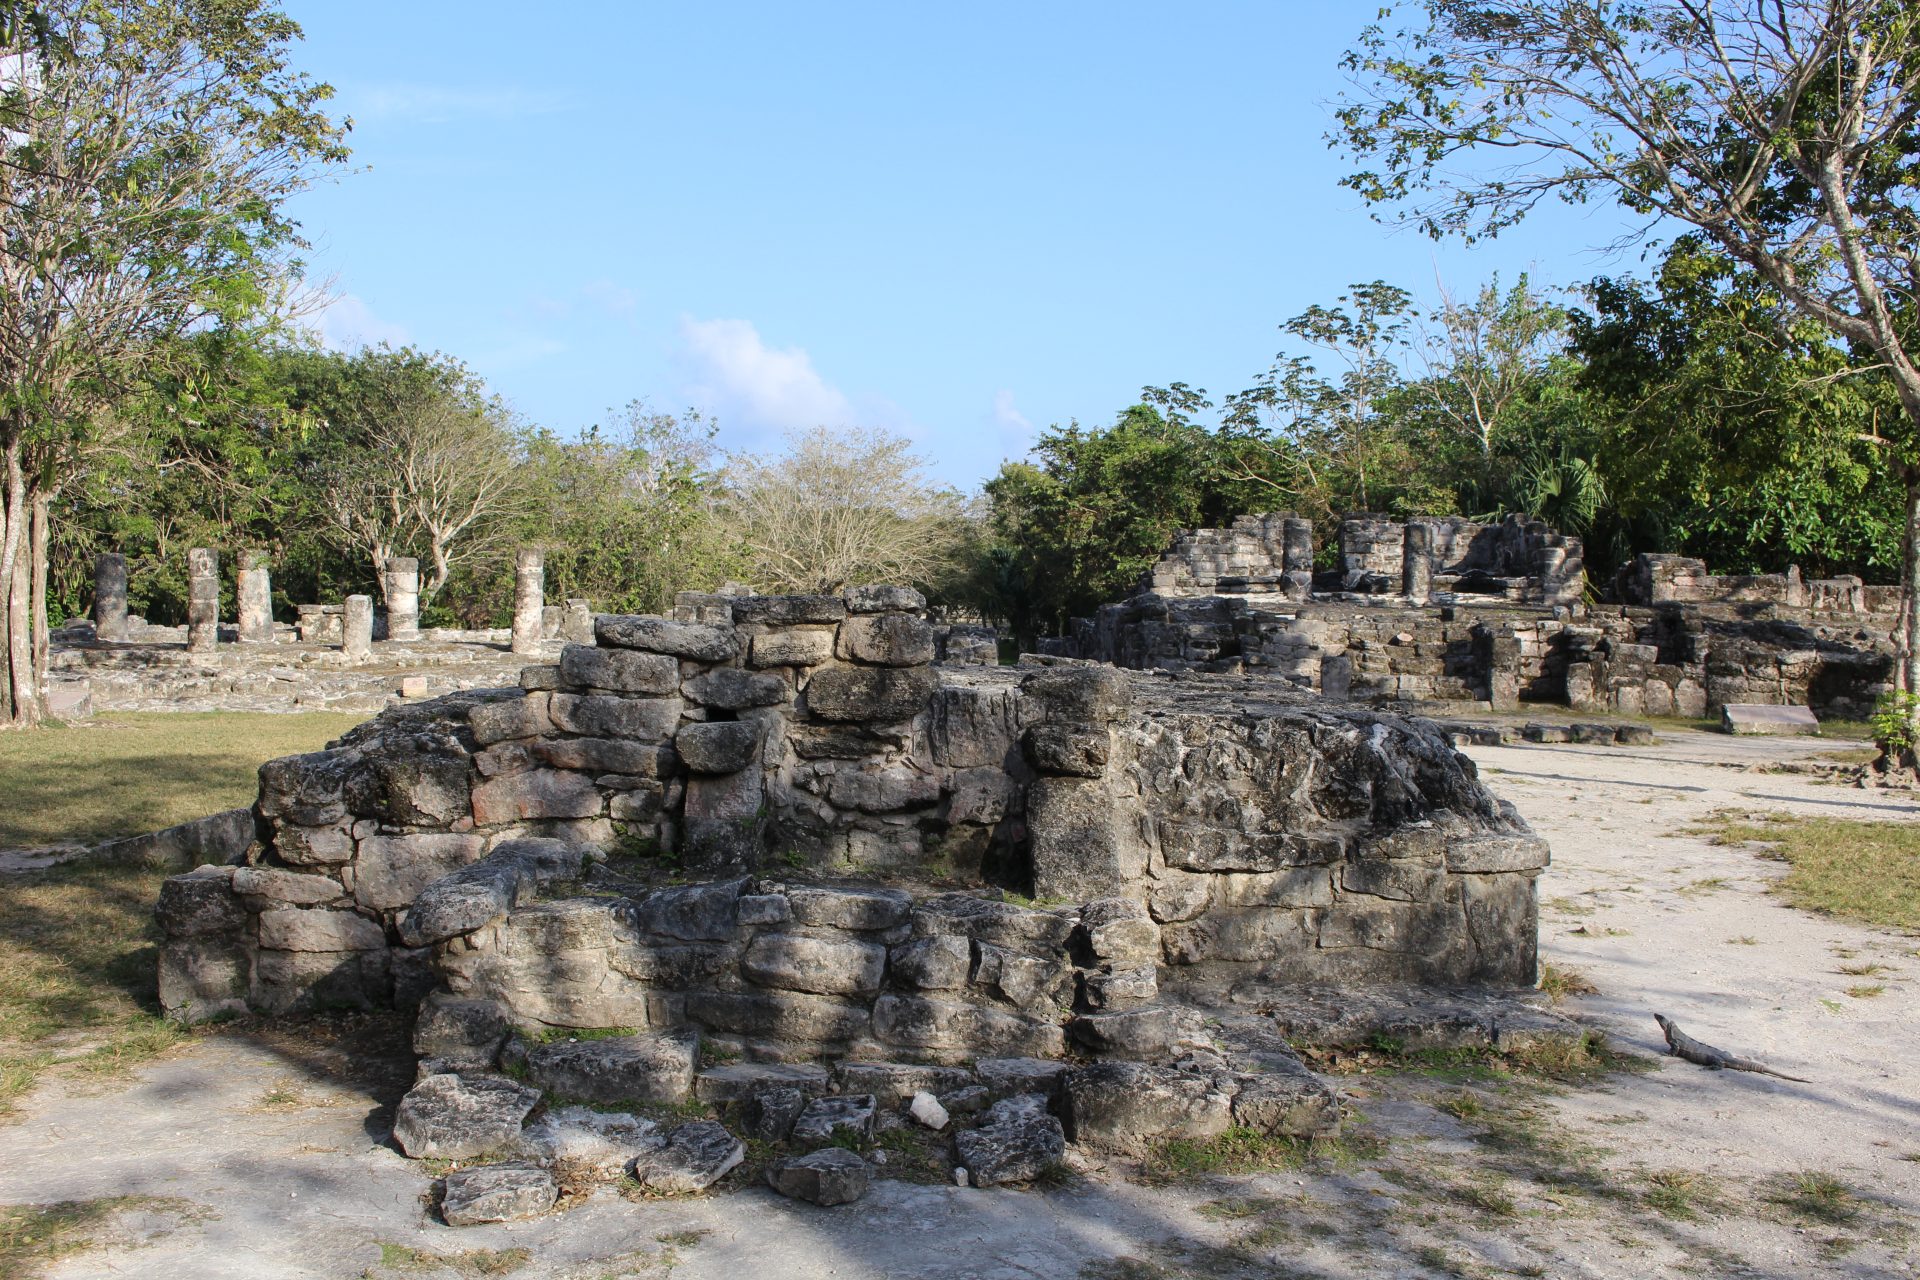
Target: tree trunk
[(39, 541), (1907, 670), (25, 706)]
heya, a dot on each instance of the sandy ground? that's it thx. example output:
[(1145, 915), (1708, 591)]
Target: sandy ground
[(271, 1158)]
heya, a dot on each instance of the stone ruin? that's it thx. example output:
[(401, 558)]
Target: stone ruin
[(767, 854), (1451, 611)]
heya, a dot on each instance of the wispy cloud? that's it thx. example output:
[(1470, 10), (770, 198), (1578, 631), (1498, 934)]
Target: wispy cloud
[(1016, 432), (441, 104), (734, 374), (347, 323)]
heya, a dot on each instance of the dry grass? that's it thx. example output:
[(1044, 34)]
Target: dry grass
[(34, 1236), (1865, 871), (127, 773), (77, 957)]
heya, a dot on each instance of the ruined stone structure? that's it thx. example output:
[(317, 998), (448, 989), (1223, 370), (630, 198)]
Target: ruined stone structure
[(203, 599), (400, 581), (1453, 611), (254, 594)]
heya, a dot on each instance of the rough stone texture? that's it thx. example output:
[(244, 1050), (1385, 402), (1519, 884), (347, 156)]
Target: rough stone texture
[(892, 1082), (1738, 718), (253, 591), (110, 596), (825, 966), (356, 634), (718, 746), (600, 716), (391, 871), (203, 600), (529, 600), (887, 639), (466, 1032), (825, 1119), (592, 1145), (401, 579), (656, 1067), (1131, 1106), (455, 1117), (830, 1176), (1016, 1141), (293, 929), (738, 1081), (696, 1156), (661, 635), (619, 670), (496, 1193), (883, 694)]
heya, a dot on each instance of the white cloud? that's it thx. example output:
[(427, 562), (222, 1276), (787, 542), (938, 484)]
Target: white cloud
[(347, 323), (613, 298), (735, 375), (440, 104), (1016, 432)]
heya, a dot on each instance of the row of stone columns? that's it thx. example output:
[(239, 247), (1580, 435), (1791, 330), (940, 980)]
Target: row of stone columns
[(400, 577)]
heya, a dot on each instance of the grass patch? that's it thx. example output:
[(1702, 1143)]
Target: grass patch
[(1244, 1151), (78, 950), (1865, 871), (1559, 983), (1817, 1196), (133, 772), (1680, 1193), (1867, 990), (1579, 1058), (34, 1236), (406, 1260)]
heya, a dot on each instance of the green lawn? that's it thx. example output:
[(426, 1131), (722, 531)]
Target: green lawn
[(1865, 871), (126, 773)]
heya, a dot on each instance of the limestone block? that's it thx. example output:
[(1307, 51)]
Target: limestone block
[(1403, 880), (390, 871), (697, 641), (739, 1081), (523, 717), (1747, 718), (1078, 694), (289, 887), (537, 793), (619, 670), (412, 789), (718, 746), (286, 981), (822, 965), (496, 1193), (736, 797), (782, 1015), (886, 639), (293, 929), (604, 716), (452, 1117), (1121, 988), (830, 1176), (504, 758), (1190, 846), (1131, 1107), (654, 1067), (202, 901), (204, 976), (1494, 853), (885, 790), (1178, 895), (784, 611), (858, 909), (313, 846), (973, 727), (1008, 1077), (891, 1083), (981, 796), (1382, 925), (1016, 1141), (731, 689), (800, 648), (826, 1119), (1036, 984), (769, 1116), (917, 1022), (884, 599), (466, 900), (933, 964), (1503, 924), (1260, 935), (1291, 887), (1144, 1033), (1005, 924), (694, 913), (610, 755), (1293, 1104), (1119, 931), (1081, 845), (467, 1032), (884, 694), (308, 790), (696, 1156), (1068, 749)]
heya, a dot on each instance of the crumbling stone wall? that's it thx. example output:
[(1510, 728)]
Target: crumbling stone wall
[(779, 748)]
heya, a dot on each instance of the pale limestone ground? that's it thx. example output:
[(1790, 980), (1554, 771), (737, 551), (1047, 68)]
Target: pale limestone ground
[(308, 1189)]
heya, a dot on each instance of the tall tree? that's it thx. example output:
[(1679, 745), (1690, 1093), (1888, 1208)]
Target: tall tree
[(147, 148), (1785, 131)]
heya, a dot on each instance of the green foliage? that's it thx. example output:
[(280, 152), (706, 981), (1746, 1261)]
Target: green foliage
[(1892, 722)]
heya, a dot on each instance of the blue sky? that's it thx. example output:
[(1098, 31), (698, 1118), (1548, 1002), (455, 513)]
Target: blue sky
[(961, 223)]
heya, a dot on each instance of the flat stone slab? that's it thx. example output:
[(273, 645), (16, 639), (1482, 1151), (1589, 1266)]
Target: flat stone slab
[(651, 1067), (833, 1175), (1751, 718), (738, 1081), (695, 1157), (496, 1193), (458, 1117), (1017, 1141)]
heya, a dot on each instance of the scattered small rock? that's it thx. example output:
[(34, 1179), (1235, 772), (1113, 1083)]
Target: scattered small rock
[(1016, 1142), (927, 1110)]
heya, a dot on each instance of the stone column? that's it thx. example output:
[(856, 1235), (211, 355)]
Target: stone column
[(403, 598), (1297, 548), (256, 598), (357, 631), (1416, 562), (110, 596), (529, 599), (203, 600)]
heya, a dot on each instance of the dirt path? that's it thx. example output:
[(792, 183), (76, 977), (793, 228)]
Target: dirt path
[(268, 1162)]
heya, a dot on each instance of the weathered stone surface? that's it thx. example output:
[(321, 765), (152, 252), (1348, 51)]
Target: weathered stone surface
[(933, 964), (1119, 931), (731, 689), (1006, 1077), (764, 908), (696, 1156), (884, 599), (1081, 844), (1738, 717), (652, 1067), (1078, 694), (391, 871), (1121, 988), (1131, 1106), (692, 640), (411, 789), (885, 790), (1016, 1141), (1195, 847), (1005, 924), (454, 1117), (496, 1193), (308, 790), (1298, 886), (718, 746), (829, 1176), (324, 846), (1069, 749), (738, 1081), (606, 716), (887, 639), (917, 1022), (201, 901), (467, 1032), (1035, 983), (1129, 1033), (609, 755), (769, 1116), (884, 694), (1481, 855), (927, 1111), (783, 1015), (1294, 1104), (973, 727), (298, 981), (294, 929), (823, 965), (735, 799), (792, 648), (784, 611), (863, 909), (825, 1119), (695, 913), (465, 900), (204, 976), (510, 718), (892, 1082), (592, 1145), (619, 670), (287, 887), (537, 793)]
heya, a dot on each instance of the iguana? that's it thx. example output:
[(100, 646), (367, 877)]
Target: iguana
[(1682, 1045)]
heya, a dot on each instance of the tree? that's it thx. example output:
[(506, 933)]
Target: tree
[(839, 508), (1784, 131), (146, 150)]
